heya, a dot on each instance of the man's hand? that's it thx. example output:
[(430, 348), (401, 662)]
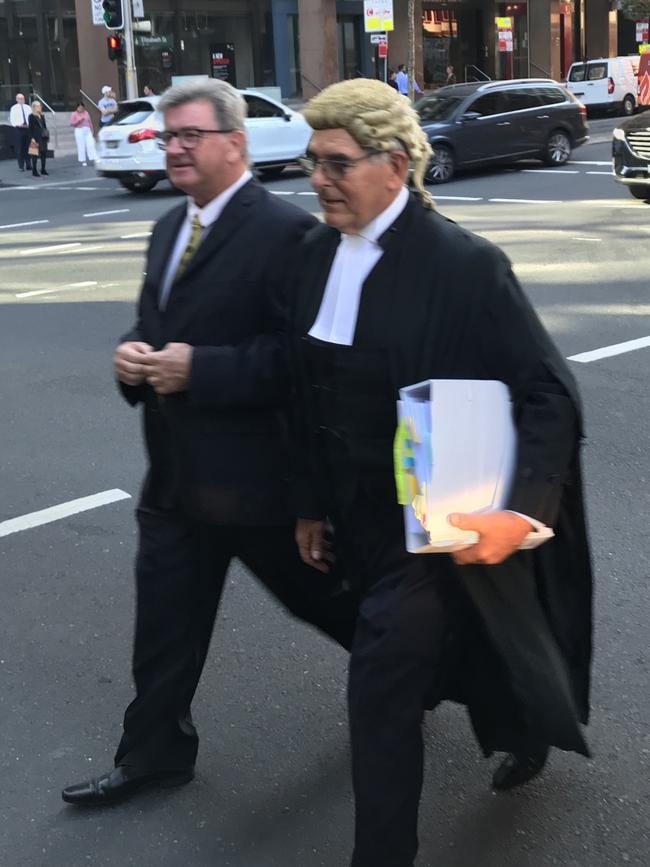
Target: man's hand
[(128, 362), (168, 370), (314, 550), (500, 534)]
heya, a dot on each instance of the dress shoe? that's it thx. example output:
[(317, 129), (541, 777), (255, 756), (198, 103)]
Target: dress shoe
[(43, 172), (36, 174), (515, 770), (121, 783)]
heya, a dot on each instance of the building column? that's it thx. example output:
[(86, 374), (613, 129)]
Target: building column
[(601, 30), (544, 39), (319, 61), (95, 69), (398, 39)]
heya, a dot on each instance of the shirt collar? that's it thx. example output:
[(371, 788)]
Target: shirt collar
[(376, 228), (209, 213)]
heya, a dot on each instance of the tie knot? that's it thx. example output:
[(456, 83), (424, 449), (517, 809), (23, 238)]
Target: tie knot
[(196, 224)]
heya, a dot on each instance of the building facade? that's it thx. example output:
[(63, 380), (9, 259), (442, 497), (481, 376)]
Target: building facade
[(52, 47)]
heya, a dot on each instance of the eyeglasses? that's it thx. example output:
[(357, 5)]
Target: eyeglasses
[(187, 138), (333, 169)]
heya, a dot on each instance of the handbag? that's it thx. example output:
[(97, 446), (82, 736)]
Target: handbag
[(32, 150)]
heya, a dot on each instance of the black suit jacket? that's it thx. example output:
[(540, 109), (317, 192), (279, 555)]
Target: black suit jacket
[(219, 451)]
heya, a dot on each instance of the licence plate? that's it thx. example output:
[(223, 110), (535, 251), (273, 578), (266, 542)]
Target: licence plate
[(111, 144)]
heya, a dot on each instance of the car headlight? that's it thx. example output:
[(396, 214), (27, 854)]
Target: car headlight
[(619, 134)]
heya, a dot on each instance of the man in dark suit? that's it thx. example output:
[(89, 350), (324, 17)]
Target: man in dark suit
[(389, 294), (206, 359)]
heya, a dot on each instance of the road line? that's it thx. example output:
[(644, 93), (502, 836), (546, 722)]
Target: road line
[(458, 198), (282, 193), (33, 292), (85, 188), (310, 193), (50, 249), (609, 174), (136, 235), (589, 163), (85, 250), (63, 510), (105, 213), (18, 225), (609, 351), (48, 184), (552, 171), (597, 240), (528, 201)]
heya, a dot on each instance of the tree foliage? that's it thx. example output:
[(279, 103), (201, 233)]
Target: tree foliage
[(637, 10)]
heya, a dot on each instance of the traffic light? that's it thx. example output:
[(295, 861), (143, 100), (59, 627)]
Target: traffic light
[(115, 46), (113, 14)]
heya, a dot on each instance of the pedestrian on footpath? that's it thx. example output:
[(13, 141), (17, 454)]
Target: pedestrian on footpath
[(107, 105), (207, 363), (390, 293), (148, 91), (83, 134), (39, 138), (19, 119), (402, 81)]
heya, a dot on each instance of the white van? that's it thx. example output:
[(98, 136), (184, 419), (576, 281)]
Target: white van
[(610, 82)]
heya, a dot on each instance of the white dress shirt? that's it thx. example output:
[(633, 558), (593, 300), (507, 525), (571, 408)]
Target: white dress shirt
[(336, 321), (19, 114), (207, 215)]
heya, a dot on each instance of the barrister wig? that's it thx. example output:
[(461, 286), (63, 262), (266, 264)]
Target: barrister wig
[(378, 118)]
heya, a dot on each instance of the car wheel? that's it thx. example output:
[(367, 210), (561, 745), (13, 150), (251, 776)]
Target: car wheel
[(639, 191), (558, 148), (271, 172), (142, 185), (628, 105), (442, 165)]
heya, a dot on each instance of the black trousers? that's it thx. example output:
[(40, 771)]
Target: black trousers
[(42, 154), (400, 657), (180, 572), (22, 144)]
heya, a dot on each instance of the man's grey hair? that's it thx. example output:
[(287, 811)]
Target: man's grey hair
[(228, 104)]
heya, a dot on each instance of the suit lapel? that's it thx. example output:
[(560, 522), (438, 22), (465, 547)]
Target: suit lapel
[(160, 252)]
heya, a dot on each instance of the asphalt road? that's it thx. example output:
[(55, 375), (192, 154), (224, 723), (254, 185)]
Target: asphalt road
[(273, 786)]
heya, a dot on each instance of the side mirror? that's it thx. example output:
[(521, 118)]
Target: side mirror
[(287, 117), (470, 115)]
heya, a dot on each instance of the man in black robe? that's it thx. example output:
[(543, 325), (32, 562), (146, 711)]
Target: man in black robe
[(388, 294)]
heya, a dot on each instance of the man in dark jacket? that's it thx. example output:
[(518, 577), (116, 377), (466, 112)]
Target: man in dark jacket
[(389, 294), (207, 362)]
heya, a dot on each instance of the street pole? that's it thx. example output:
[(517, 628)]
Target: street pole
[(130, 72)]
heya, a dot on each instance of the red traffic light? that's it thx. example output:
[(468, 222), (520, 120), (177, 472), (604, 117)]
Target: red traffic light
[(115, 44)]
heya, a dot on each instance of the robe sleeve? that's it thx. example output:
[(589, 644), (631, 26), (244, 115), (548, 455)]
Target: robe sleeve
[(517, 349)]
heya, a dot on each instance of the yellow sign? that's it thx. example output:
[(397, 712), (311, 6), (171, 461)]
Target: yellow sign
[(378, 17), (644, 48), (504, 23)]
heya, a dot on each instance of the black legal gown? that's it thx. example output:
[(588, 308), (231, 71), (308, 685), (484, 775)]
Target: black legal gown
[(442, 303)]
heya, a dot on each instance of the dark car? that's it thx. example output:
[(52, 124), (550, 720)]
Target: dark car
[(495, 121), (631, 154)]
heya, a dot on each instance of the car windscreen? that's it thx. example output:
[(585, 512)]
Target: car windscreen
[(133, 113), (436, 108), (577, 72)]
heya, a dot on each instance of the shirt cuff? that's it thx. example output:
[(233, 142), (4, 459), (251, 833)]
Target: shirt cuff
[(540, 532)]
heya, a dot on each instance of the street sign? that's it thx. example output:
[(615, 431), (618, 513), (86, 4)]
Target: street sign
[(138, 8), (378, 38), (641, 31), (378, 16), (98, 12), (382, 50)]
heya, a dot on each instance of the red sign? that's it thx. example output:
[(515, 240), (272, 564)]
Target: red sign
[(382, 49), (641, 31)]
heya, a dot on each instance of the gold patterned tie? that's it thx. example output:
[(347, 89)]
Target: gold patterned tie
[(190, 250)]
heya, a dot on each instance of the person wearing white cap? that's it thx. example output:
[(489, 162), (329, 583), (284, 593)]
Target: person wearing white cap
[(107, 105)]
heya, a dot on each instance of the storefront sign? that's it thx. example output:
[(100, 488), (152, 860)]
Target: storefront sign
[(504, 28), (222, 62), (378, 16), (641, 31)]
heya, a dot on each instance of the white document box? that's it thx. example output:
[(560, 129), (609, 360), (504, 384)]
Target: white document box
[(454, 452)]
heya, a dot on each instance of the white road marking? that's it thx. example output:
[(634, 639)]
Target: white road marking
[(597, 240), (552, 171), (85, 188), (105, 213), (609, 174), (136, 235), (18, 225), (310, 193), (33, 292), (50, 249), (47, 184), (528, 201), (609, 351), (63, 510), (282, 192), (459, 198), (589, 163)]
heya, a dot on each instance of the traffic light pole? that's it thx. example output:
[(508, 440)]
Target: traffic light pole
[(130, 72)]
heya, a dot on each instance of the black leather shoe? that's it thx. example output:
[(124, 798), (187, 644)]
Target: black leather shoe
[(121, 783), (43, 172), (515, 770)]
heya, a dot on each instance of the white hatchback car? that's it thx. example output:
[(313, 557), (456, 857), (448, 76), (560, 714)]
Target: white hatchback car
[(128, 150)]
